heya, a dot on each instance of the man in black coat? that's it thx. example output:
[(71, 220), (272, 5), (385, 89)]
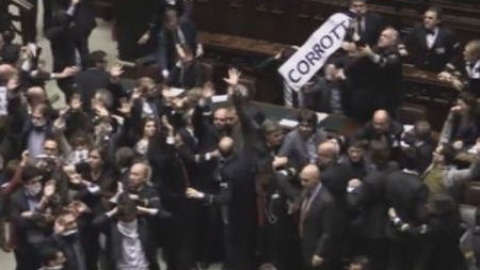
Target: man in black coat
[(382, 127), (62, 43), (236, 200), (368, 197), (374, 77), (131, 243), (175, 31), (366, 26), (317, 221), (407, 195), (431, 46), (335, 178), (25, 206)]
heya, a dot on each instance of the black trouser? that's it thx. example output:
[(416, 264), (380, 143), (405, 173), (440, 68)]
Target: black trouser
[(26, 258), (90, 243), (377, 252)]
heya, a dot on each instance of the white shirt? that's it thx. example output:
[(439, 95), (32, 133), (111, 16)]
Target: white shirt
[(431, 38), (132, 255), (473, 72)]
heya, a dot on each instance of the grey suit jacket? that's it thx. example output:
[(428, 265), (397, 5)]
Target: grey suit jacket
[(295, 148)]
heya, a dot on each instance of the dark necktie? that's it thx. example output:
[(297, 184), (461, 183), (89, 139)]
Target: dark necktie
[(429, 32)]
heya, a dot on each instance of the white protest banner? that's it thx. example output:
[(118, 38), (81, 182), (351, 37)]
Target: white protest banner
[(313, 54), (3, 100)]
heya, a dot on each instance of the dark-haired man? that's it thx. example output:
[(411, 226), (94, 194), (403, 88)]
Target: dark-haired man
[(431, 46)]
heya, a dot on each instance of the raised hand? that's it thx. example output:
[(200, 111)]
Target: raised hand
[(233, 76), (117, 70), (76, 102), (49, 189)]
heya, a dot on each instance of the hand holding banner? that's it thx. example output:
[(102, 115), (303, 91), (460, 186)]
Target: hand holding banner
[(301, 67)]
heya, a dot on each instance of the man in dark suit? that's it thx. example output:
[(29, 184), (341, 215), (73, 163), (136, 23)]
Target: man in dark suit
[(317, 221), (365, 28), (96, 77), (187, 73), (62, 43), (175, 31), (407, 195), (382, 127), (335, 177), (431, 46), (84, 19), (236, 200), (130, 242), (25, 208), (374, 77), (300, 144), (467, 78), (368, 198)]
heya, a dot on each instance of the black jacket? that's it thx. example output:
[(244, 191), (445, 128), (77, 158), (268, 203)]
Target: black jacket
[(435, 59)]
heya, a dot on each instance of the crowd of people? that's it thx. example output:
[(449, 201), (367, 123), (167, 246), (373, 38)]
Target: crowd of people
[(129, 168)]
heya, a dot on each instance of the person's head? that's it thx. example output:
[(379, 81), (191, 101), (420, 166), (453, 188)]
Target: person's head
[(432, 18), (388, 38), (379, 152), (36, 95), (103, 97), (139, 174), (32, 180), (240, 88), (97, 158), (232, 117), (444, 155), (147, 87), (80, 141), (124, 156), (38, 116), (50, 147), (220, 118), (358, 7), (423, 130), (356, 151), (272, 132), (149, 127), (226, 146), (381, 122), (359, 263), (466, 103), (127, 210), (327, 154), (307, 122), (171, 19), (97, 59), (7, 72), (309, 177), (52, 258), (471, 53)]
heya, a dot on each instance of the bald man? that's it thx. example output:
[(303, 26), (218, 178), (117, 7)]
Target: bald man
[(317, 221), (382, 127), (236, 199), (374, 77), (335, 178)]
